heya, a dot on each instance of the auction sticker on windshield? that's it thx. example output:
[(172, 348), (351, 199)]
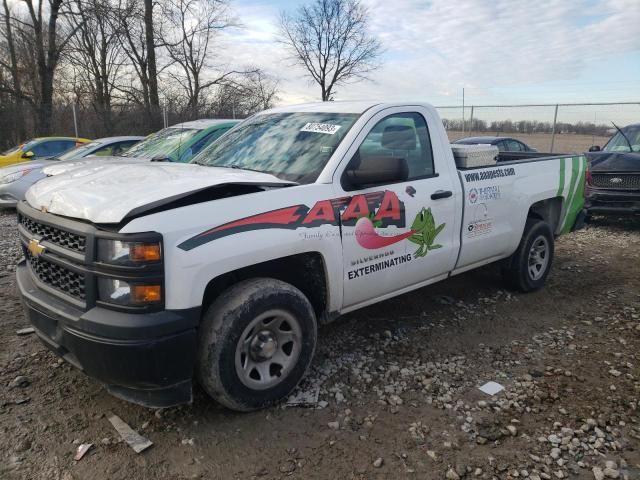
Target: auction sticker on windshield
[(327, 128)]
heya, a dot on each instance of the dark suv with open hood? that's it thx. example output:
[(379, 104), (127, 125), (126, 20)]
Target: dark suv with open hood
[(614, 186)]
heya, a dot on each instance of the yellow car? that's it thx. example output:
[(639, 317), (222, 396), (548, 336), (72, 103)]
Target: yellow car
[(39, 148)]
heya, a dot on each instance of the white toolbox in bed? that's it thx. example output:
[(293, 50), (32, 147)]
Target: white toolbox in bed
[(469, 156)]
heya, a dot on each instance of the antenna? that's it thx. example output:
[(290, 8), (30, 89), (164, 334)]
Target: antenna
[(180, 140), (625, 137)]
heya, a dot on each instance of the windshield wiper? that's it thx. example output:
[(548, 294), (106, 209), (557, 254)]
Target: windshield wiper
[(238, 167), (625, 137)]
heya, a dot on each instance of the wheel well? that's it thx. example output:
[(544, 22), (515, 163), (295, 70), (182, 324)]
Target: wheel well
[(305, 271), (547, 210)]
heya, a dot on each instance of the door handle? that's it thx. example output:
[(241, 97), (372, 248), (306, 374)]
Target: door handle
[(438, 194)]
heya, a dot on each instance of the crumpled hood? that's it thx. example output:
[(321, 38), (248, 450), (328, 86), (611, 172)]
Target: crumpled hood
[(108, 192), (614, 161), (64, 167)]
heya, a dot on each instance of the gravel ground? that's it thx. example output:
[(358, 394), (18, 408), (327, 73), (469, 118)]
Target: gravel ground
[(397, 383)]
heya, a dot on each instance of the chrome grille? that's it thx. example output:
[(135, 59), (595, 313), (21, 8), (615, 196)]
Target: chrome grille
[(618, 181), (58, 277), (62, 238)]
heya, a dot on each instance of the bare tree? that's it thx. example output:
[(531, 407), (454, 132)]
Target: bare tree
[(253, 92), (329, 39), (96, 55), (118, 58), (48, 45), (13, 68), (262, 91), (192, 25), (138, 27), (154, 98)]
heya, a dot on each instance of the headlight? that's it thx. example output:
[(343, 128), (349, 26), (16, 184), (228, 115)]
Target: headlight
[(120, 292), (12, 177), (116, 252)]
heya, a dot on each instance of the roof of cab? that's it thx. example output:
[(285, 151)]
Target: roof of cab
[(204, 123), (337, 107), (359, 106)]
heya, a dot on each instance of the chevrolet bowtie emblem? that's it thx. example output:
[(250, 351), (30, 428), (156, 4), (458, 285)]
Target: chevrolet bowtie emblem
[(35, 248)]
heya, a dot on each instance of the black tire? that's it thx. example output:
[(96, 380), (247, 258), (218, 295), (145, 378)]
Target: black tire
[(220, 350), (517, 272)]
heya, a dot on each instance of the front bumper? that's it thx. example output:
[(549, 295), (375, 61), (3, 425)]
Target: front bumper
[(146, 359), (612, 201)]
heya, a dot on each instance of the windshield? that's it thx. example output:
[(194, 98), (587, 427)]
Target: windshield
[(292, 146), (164, 143), (77, 152), (618, 143)]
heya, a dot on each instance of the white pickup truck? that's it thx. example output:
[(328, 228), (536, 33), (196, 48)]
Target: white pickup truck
[(149, 276)]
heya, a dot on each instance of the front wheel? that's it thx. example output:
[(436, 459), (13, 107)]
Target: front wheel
[(527, 269), (256, 342)]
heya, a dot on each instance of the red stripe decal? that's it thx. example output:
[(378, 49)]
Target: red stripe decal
[(283, 216)]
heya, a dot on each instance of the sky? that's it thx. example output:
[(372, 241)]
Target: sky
[(499, 51)]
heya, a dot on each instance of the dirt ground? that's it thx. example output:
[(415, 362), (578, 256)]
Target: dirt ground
[(563, 143), (398, 388)]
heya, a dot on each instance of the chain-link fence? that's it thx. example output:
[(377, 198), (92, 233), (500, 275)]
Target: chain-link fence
[(564, 127), (548, 128)]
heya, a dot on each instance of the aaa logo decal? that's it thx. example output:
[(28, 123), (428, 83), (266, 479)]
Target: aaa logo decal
[(384, 208), (366, 212)]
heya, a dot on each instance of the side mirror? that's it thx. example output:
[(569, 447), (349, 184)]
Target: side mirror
[(595, 148), (369, 171), (28, 154)]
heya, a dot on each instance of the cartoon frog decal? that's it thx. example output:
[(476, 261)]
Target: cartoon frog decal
[(426, 232)]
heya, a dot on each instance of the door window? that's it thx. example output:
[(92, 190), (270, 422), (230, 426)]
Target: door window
[(502, 146), (121, 147), (104, 151), (53, 147), (514, 146), (401, 135)]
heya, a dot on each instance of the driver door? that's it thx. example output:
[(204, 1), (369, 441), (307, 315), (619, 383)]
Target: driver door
[(401, 233)]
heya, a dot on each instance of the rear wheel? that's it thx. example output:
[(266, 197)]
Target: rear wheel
[(527, 269), (256, 343)]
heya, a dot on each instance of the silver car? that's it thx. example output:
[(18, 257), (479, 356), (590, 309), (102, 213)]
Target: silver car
[(16, 179)]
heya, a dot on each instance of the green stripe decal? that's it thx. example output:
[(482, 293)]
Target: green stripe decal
[(574, 177), (561, 186), (575, 197)]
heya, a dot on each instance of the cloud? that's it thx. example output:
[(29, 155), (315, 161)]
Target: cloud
[(433, 48), (476, 43), (255, 44)]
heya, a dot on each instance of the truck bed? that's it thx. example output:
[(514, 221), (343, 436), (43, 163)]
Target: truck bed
[(497, 200)]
